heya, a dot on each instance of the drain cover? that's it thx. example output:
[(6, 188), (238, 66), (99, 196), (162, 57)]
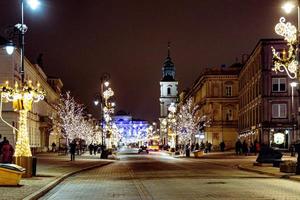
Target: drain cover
[(215, 183)]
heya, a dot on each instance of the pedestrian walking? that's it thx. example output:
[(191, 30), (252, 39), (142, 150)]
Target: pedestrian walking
[(95, 149), (8, 152), (245, 148), (187, 150), (53, 145), (222, 146), (192, 147), (209, 147), (238, 146), (202, 145), (197, 146), (91, 148), (1, 144), (73, 150), (257, 147)]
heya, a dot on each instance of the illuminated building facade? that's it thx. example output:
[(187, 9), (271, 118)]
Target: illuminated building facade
[(132, 131), (268, 106), (41, 132), (215, 93)]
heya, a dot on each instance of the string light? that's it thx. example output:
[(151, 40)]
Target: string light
[(287, 62)]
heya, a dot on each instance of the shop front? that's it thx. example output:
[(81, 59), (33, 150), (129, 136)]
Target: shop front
[(281, 137)]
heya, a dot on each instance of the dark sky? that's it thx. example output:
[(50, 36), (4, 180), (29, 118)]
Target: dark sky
[(82, 39)]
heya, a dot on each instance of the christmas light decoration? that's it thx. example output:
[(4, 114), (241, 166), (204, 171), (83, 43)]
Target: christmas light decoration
[(22, 99), (71, 117), (186, 121), (172, 122), (286, 61)]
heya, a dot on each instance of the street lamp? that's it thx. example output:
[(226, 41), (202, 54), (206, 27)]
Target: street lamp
[(293, 85), (288, 6), (22, 96)]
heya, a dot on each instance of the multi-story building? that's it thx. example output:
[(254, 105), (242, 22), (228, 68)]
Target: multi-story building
[(133, 131), (41, 132), (268, 110), (215, 94)]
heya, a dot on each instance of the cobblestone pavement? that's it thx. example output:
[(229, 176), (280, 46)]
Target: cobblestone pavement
[(162, 177), (49, 168)]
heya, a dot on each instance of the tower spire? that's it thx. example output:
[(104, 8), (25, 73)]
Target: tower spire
[(169, 46)]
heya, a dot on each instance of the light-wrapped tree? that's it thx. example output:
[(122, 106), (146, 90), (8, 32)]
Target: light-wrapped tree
[(70, 117), (186, 121)]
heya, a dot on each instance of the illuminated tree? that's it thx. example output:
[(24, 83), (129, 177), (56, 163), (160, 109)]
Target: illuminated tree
[(70, 117), (186, 121)]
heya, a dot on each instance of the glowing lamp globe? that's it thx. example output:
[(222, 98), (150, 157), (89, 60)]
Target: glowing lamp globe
[(34, 4), (288, 7)]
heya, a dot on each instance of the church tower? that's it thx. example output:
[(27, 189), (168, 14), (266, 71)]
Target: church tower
[(168, 86), (168, 94)]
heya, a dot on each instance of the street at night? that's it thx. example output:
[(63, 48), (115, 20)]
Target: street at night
[(150, 100), (160, 176)]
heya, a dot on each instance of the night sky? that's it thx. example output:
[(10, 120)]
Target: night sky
[(82, 39)]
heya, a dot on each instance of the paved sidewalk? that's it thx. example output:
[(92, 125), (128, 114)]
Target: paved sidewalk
[(51, 169), (268, 169), (246, 163)]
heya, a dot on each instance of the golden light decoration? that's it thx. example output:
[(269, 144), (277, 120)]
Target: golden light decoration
[(286, 61), (22, 99)]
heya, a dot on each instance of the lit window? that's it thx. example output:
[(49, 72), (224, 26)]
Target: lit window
[(279, 110), (278, 84), (228, 90)]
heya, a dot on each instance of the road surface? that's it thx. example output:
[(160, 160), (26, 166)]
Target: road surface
[(161, 177)]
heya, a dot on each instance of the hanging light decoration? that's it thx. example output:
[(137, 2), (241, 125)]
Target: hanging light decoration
[(286, 61), (22, 98)]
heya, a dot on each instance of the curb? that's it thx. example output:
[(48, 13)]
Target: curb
[(262, 172), (41, 192)]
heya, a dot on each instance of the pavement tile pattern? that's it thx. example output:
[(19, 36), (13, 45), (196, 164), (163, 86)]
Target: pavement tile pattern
[(162, 177)]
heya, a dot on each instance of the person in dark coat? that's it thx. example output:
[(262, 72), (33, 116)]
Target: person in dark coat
[(222, 146), (187, 150), (245, 148), (192, 147), (197, 146), (1, 144), (238, 146), (8, 152), (91, 148), (95, 149), (73, 150)]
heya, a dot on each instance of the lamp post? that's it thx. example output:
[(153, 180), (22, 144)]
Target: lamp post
[(22, 96), (293, 85), (104, 83)]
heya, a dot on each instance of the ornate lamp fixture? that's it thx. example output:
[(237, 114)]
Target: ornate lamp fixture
[(22, 99), (287, 61)]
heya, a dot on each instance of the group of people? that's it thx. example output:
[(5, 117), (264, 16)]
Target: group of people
[(246, 147), (6, 151), (206, 147), (94, 148)]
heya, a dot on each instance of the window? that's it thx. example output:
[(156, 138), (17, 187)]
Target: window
[(279, 110), (278, 84), (169, 91), (228, 90)]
